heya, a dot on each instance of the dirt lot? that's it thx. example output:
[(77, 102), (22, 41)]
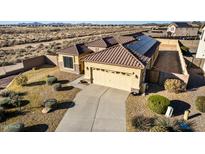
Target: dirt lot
[(137, 105), (34, 94), (168, 61), (19, 43)]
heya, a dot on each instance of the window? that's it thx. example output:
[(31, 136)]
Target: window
[(68, 62)]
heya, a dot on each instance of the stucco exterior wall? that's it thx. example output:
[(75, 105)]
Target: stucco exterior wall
[(76, 67), (132, 77)]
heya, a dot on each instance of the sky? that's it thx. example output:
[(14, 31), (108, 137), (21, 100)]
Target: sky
[(93, 22)]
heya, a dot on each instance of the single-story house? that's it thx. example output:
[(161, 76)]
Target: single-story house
[(69, 59), (180, 29), (122, 66)]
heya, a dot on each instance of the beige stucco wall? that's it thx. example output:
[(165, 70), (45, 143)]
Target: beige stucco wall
[(132, 77), (75, 66)]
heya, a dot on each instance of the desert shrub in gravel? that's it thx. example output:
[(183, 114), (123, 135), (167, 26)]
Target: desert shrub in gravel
[(142, 123), (200, 103), (51, 80), (50, 103), (6, 93), (17, 127), (57, 86), (174, 85), (21, 80), (158, 104), (158, 129), (5, 102)]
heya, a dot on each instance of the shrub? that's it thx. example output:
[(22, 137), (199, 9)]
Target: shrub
[(50, 103), (174, 85), (158, 104), (11, 101), (17, 127), (158, 129), (51, 80), (142, 123), (2, 117), (5, 102), (21, 80), (5, 93), (57, 86), (175, 125), (200, 103)]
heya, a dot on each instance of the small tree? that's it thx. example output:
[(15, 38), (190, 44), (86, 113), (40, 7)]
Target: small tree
[(22, 80)]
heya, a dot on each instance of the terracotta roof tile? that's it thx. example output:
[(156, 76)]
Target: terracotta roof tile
[(116, 55), (98, 43), (75, 49), (124, 39)]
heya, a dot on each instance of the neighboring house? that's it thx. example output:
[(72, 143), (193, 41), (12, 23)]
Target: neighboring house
[(182, 29), (69, 59), (122, 66), (201, 48)]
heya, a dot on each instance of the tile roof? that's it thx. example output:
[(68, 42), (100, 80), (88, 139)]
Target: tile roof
[(124, 39), (123, 56), (115, 55), (75, 49), (97, 43)]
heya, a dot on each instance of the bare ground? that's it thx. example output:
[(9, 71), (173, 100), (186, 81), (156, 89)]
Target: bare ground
[(34, 94)]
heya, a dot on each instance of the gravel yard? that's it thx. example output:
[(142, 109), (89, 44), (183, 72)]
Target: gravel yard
[(34, 93), (137, 105)]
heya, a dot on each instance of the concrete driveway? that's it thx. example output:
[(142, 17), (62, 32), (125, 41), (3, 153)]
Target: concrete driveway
[(97, 108)]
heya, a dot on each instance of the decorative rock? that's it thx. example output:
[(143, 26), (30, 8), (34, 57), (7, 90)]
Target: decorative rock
[(46, 110)]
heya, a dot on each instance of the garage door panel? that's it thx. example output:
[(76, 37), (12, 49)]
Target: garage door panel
[(112, 79)]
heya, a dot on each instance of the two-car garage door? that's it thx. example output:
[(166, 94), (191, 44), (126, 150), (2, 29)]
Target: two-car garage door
[(118, 80)]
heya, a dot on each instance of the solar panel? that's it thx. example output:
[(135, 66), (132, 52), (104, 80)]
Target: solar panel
[(143, 44)]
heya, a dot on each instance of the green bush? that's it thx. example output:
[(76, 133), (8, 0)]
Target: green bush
[(158, 129), (57, 86), (17, 127), (50, 103), (5, 102), (11, 101), (158, 104), (51, 80), (21, 80), (174, 85), (200, 103)]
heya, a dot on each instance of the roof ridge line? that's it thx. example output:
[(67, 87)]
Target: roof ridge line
[(133, 55)]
